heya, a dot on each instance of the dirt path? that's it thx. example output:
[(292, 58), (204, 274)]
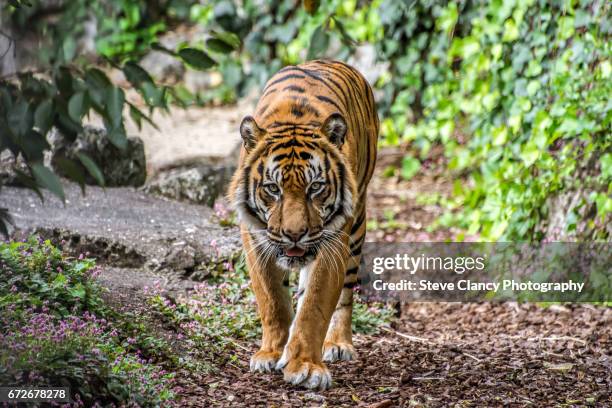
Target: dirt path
[(447, 354)]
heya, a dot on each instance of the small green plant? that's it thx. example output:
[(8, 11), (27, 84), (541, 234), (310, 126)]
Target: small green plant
[(57, 331), (369, 317), (222, 312)]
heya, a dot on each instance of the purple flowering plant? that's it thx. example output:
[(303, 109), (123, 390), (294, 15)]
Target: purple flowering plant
[(56, 330)]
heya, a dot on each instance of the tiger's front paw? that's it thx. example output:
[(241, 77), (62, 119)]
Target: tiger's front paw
[(305, 373), (338, 351), (264, 361)]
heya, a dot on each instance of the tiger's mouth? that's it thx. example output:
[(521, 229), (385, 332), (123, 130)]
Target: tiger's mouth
[(296, 256), (295, 251)]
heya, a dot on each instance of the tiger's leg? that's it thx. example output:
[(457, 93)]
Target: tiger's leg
[(338, 343), (320, 287), (273, 303)]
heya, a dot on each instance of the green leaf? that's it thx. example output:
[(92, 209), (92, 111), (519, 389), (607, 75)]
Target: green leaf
[(153, 95), (530, 153), (114, 106), (28, 182), (92, 168), (34, 145), (18, 118), (135, 74), (606, 165), (47, 179), (158, 47), (117, 136), (196, 58), (76, 106), (69, 48), (230, 39), (78, 291), (410, 167), (346, 38), (138, 116), (511, 31), (566, 27), (59, 281), (318, 42), (70, 169), (43, 116), (500, 135), (97, 78), (220, 46)]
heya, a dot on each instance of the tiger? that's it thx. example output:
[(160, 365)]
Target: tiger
[(299, 191)]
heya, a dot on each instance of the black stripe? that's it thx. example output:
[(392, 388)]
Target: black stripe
[(262, 109), (358, 243), (293, 142), (305, 156), (274, 111), (294, 88), (355, 99), (353, 270), (284, 78), (319, 78), (347, 100), (268, 92), (357, 224), (350, 285), (325, 99), (276, 124), (297, 111)]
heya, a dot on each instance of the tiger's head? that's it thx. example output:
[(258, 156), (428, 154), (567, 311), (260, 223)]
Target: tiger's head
[(293, 190)]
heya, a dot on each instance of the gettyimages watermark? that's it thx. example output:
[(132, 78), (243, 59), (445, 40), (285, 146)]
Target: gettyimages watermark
[(545, 272)]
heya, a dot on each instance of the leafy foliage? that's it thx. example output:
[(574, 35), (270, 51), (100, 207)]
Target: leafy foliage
[(57, 331), (517, 92), (275, 33), (68, 87)]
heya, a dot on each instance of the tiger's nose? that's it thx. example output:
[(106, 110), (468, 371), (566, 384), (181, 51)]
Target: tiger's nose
[(295, 234)]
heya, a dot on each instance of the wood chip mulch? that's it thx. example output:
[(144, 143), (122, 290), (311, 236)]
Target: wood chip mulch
[(446, 354)]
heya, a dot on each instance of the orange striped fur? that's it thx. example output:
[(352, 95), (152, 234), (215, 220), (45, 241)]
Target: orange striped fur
[(300, 191)]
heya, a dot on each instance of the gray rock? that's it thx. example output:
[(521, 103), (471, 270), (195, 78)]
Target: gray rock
[(120, 167), (124, 228), (200, 184), (8, 164)]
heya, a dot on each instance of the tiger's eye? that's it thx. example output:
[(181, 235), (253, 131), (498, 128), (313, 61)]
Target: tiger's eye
[(316, 187), (272, 189)]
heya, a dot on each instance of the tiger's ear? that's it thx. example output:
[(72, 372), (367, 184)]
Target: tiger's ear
[(335, 129), (250, 132)]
